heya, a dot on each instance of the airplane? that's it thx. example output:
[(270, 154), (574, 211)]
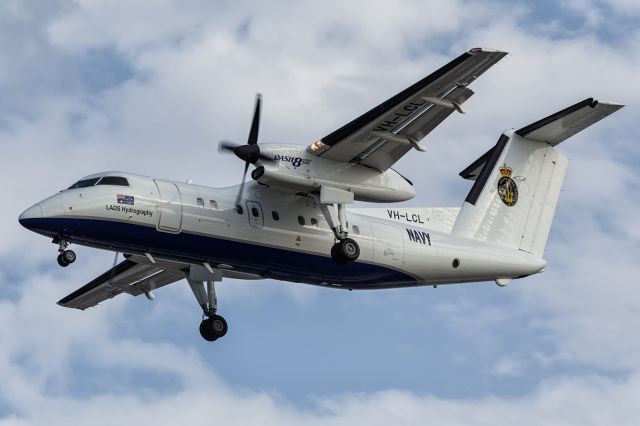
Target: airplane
[(291, 222)]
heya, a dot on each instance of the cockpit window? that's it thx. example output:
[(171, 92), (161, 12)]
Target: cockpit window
[(113, 180), (84, 183)]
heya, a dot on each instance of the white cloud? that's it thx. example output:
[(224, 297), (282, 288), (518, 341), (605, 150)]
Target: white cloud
[(509, 366), (196, 66)]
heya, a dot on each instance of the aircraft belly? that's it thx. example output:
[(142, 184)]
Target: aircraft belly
[(283, 263)]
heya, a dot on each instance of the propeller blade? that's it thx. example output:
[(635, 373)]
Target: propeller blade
[(241, 190), (255, 123), (265, 158), (226, 146)]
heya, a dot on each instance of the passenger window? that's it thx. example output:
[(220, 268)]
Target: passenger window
[(301, 220), (356, 230), (200, 202), (254, 212), (239, 209), (275, 215), (314, 221), (113, 180), (213, 204)]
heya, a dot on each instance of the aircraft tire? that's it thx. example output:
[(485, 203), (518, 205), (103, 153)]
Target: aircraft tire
[(336, 256), (206, 331), (69, 256), (219, 325), (213, 328), (61, 261), (344, 251)]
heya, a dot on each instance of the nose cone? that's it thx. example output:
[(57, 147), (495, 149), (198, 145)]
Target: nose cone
[(33, 212)]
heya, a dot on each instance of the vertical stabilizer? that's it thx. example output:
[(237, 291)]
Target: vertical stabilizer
[(514, 197), (518, 181)]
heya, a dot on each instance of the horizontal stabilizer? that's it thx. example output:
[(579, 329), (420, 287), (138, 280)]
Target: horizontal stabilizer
[(566, 123), (554, 128)]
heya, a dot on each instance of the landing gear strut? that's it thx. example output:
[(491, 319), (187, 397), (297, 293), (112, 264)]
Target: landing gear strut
[(65, 257), (332, 202), (213, 326)]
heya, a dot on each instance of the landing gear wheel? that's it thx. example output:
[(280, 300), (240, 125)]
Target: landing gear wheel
[(344, 251), (219, 325), (69, 256), (61, 261), (213, 328), (335, 255)]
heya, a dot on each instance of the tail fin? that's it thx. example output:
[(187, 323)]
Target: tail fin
[(518, 181)]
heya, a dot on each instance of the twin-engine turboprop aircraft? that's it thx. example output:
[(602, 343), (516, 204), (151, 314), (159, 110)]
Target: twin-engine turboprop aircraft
[(291, 222)]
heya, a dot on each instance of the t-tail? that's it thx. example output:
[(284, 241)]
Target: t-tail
[(517, 182)]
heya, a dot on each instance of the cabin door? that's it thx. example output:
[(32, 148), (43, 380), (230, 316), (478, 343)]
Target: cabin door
[(170, 208)]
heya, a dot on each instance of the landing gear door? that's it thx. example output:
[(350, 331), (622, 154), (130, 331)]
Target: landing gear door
[(170, 208), (254, 210), (388, 244)]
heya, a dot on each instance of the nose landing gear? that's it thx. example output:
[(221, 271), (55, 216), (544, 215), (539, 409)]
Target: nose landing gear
[(65, 257)]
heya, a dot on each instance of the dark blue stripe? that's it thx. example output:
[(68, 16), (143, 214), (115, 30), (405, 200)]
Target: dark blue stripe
[(247, 257)]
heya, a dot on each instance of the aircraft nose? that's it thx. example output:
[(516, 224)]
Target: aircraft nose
[(33, 212)]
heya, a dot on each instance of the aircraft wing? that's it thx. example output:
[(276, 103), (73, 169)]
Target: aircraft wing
[(129, 276), (381, 136)]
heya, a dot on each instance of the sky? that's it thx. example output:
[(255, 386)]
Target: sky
[(151, 87)]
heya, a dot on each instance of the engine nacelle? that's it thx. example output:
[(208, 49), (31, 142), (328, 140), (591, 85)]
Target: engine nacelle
[(297, 170)]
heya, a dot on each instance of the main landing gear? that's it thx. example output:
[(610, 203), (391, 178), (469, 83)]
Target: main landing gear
[(332, 203), (65, 257), (213, 326), (344, 251)]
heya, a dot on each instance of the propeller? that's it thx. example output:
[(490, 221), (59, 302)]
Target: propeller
[(250, 152)]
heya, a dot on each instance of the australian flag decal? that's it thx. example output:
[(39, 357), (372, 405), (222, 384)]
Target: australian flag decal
[(125, 199)]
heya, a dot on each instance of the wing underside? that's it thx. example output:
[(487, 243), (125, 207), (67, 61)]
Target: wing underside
[(132, 276), (381, 136)]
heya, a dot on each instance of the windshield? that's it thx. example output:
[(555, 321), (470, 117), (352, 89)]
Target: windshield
[(84, 183), (113, 180), (104, 180)]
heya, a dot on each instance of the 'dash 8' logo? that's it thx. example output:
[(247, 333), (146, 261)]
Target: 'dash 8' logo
[(295, 161)]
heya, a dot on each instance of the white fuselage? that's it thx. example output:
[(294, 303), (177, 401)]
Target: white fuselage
[(274, 235)]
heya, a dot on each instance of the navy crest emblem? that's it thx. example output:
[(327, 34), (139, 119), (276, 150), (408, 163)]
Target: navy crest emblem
[(507, 188)]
